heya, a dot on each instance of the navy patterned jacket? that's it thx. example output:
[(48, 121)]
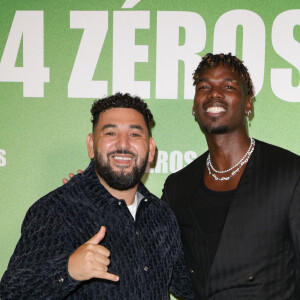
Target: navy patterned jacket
[(146, 254)]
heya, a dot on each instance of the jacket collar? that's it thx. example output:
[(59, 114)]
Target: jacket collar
[(97, 193)]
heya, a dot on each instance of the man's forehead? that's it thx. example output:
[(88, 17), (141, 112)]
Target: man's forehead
[(116, 125), (205, 79), (121, 113), (119, 116), (220, 72)]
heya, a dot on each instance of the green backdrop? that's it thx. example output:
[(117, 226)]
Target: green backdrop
[(58, 56)]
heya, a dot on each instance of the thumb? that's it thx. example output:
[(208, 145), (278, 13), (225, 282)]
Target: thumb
[(98, 237)]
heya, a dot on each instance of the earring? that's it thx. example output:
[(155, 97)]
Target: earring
[(248, 114), (193, 113)]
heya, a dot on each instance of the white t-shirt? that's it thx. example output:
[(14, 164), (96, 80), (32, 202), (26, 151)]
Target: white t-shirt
[(133, 207)]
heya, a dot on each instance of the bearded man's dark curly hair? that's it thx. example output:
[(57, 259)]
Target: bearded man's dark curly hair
[(120, 100)]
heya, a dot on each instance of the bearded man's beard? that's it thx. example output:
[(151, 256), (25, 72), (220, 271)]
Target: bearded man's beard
[(120, 180)]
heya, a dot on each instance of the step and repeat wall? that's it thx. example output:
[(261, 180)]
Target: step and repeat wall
[(59, 56)]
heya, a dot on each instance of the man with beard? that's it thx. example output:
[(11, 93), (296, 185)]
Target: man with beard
[(136, 254), (238, 204)]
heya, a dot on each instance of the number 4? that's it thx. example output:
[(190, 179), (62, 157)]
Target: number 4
[(30, 24)]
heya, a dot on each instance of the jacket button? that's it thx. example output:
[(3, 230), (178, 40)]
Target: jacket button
[(251, 278), (192, 271), (61, 280), (145, 268)]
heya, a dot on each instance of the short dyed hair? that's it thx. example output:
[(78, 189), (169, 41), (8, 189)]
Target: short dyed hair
[(236, 65), (120, 100)]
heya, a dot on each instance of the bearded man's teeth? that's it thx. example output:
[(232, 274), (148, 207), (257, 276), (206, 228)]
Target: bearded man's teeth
[(122, 158)]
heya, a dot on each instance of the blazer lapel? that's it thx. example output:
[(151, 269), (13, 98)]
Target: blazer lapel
[(192, 184)]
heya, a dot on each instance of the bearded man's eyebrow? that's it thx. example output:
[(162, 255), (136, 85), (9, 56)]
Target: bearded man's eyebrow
[(108, 126), (133, 126)]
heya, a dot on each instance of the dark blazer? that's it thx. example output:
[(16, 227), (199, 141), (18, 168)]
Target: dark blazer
[(258, 254)]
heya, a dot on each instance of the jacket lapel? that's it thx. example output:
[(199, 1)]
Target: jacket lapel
[(192, 184)]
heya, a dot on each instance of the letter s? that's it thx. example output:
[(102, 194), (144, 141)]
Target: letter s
[(288, 48), (2, 158)]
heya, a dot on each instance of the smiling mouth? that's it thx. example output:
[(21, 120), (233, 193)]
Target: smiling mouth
[(215, 109), (116, 157)]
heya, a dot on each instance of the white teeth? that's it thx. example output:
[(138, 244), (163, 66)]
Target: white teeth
[(215, 109), (122, 158)]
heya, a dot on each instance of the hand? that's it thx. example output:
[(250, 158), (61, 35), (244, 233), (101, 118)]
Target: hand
[(90, 260), (65, 180)]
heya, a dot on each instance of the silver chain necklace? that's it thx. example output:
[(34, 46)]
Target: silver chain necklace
[(238, 165)]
